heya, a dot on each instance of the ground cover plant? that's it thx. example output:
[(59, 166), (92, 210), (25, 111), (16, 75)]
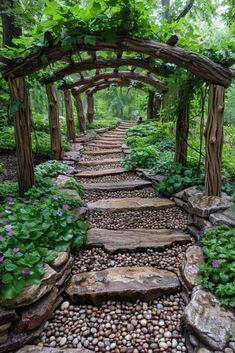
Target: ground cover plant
[(218, 271), (33, 229)]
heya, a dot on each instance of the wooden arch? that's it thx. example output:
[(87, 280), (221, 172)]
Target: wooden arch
[(202, 67)]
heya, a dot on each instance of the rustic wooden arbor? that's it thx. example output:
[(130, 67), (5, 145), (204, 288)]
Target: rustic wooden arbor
[(215, 74)]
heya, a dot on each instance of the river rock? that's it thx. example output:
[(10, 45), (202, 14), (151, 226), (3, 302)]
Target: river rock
[(203, 206), (193, 259), (32, 294), (208, 320)]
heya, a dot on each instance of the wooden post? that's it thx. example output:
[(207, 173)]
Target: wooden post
[(54, 122), (182, 127), (214, 140), (80, 112), (90, 108), (69, 115), (150, 110), (22, 127)]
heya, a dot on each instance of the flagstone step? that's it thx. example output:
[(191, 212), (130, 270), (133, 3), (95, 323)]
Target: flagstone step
[(96, 162), (99, 173), (111, 139), (130, 204), (100, 145), (121, 283), (134, 239), (116, 186), (101, 152)]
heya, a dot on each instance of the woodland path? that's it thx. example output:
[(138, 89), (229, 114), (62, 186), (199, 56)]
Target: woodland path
[(124, 295)]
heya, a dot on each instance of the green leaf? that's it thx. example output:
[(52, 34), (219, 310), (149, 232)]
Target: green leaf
[(91, 40)]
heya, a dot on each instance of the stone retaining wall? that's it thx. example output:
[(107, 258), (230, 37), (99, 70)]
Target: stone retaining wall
[(23, 318)]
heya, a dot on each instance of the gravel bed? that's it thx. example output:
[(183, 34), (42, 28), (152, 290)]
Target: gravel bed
[(119, 327), (98, 167), (86, 157), (111, 178), (172, 218), (97, 259), (104, 195)]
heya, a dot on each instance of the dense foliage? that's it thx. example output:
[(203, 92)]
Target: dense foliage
[(218, 272)]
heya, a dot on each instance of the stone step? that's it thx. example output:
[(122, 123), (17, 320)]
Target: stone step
[(98, 153), (111, 139), (102, 146), (123, 185), (130, 204), (134, 239), (96, 162), (99, 173), (39, 349), (121, 283)]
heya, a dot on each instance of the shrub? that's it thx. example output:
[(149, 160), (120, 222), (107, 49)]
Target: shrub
[(32, 230), (140, 158), (100, 123), (8, 189), (7, 139), (218, 271)]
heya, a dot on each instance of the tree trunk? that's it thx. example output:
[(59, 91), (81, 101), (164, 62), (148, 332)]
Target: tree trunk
[(69, 115), (9, 27), (54, 123), (80, 112), (182, 127), (20, 100), (157, 106), (90, 108), (214, 140), (150, 110)]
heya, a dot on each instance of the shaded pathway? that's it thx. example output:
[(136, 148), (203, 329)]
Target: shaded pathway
[(124, 295)]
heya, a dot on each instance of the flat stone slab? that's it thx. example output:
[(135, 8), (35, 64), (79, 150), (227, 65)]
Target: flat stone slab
[(97, 153), (38, 349), (134, 239), (130, 204), (203, 206), (123, 185), (98, 173), (145, 283), (101, 162), (102, 146), (72, 156)]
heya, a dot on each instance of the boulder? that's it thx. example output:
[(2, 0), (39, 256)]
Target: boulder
[(64, 272), (32, 294), (190, 268), (61, 179), (208, 320), (201, 222), (35, 314), (186, 193), (203, 206), (7, 315), (71, 192)]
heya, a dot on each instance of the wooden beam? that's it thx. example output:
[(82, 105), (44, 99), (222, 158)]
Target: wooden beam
[(214, 140), (69, 115), (22, 128), (54, 123), (80, 113), (129, 75), (200, 66), (100, 64), (86, 87)]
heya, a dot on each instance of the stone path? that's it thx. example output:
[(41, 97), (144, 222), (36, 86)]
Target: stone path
[(124, 293)]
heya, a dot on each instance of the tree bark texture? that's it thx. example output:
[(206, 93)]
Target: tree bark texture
[(214, 140), (182, 128), (54, 123), (9, 28), (69, 115), (200, 66), (109, 82), (90, 108), (80, 112), (22, 127)]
